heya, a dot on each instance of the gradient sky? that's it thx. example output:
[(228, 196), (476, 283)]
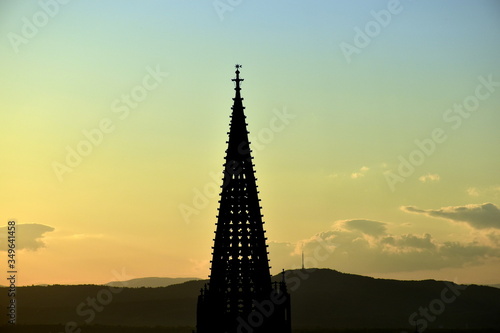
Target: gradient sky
[(331, 131)]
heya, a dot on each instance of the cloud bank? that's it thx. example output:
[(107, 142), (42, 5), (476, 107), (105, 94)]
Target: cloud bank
[(28, 236), (481, 216), (364, 246)]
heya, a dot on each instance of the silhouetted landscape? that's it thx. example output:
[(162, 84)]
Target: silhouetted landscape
[(122, 329), (323, 301), (152, 282), (162, 159)]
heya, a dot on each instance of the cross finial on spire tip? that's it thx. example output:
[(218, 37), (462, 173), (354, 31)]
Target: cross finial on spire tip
[(237, 80)]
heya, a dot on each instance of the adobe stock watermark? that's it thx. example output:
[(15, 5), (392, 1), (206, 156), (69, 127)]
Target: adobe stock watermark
[(363, 37), (31, 26), (88, 309), (94, 137), (266, 308), (223, 6), (421, 318), (428, 146), (201, 196)]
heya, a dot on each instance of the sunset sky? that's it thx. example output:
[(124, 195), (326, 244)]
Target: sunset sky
[(374, 127)]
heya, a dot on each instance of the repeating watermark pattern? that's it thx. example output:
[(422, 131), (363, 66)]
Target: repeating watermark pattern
[(428, 146), (363, 37), (94, 137), (201, 196), (88, 309), (223, 6), (262, 311), (265, 309), (421, 318), (32, 26)]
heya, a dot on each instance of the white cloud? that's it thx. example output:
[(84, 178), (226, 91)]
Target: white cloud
[(487, 191), (368, 227), (473, 192), (430, 177), (84, 236), (360, 173)]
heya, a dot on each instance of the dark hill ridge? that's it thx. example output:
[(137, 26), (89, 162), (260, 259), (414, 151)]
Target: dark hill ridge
[(150, 282), (332, 299), (320, 298)]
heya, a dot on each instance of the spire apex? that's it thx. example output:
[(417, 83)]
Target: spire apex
[(237, 80)]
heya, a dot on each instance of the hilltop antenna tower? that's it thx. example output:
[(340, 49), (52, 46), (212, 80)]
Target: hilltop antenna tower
[(303, 257)]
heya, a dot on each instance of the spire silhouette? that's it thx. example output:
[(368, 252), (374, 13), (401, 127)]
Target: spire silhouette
[(240, 278)]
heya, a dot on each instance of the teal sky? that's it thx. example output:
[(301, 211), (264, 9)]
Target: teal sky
[(329, 131)]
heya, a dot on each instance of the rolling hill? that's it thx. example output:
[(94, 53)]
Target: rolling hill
[(149, 282), (320, 299)]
